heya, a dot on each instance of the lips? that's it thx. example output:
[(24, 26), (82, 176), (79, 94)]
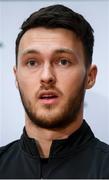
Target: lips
[(48, 97)]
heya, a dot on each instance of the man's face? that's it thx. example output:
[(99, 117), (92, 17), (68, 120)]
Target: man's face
[(51, 76)]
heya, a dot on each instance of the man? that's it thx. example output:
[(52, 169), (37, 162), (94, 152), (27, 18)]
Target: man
[(53, 70)]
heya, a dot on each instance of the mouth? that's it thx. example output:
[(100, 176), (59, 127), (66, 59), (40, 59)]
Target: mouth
[(48, 97)]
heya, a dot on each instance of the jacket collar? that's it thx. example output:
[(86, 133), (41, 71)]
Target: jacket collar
[(61, 148)]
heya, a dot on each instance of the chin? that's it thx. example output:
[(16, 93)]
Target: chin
[(49, 115), (48, 119)]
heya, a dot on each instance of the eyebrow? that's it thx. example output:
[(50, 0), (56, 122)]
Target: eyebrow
[(60, 50), (66, 50), (30, 51)]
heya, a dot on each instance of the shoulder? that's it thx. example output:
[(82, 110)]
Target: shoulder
[(101, 153), (102, 158), (9, 148), (102, 147)]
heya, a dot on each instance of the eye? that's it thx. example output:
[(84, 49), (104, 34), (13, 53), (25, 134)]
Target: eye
[(32, 63), (64, 62)]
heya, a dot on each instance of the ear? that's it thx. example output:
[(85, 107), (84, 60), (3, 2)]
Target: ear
[(91, 76), (15, 74)]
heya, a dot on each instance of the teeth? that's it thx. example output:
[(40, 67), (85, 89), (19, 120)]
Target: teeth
[(48, 96)]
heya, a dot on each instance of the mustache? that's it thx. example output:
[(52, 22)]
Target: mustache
[(44, 87), (48, 87)]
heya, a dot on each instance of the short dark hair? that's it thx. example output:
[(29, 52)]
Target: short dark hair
[(59, 16)]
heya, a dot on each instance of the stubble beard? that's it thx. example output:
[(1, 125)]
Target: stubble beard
[(53, 118)]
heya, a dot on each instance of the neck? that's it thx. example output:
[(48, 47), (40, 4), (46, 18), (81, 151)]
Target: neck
[(44, 137)]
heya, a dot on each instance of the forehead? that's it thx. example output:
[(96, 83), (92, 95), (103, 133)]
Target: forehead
[(43, 39)]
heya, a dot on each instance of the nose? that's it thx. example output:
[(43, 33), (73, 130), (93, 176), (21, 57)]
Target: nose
[(47, 75)]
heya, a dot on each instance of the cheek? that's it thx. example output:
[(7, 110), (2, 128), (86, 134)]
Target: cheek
[(71, 81), (27, 85)]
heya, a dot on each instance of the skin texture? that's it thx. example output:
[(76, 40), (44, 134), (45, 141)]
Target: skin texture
[(52, 61)]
